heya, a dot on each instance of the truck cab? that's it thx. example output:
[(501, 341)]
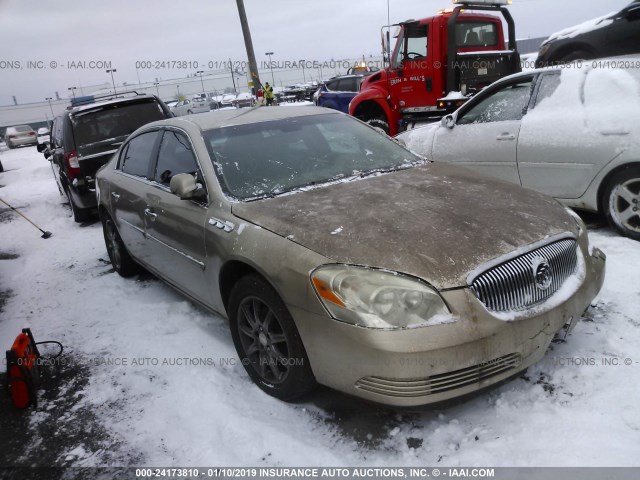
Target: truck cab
[(437, 64)]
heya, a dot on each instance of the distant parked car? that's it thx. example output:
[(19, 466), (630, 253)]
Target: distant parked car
[(337, 92), (84, 137), (614, 34), (244, 99), (573, 134), (20, 135), (341, 258), (43, 135), (187, 107)]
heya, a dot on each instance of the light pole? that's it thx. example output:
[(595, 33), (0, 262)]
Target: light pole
[(156, 85), (200, 72), (48, 99), (273, 80), (73, 91), (111, 71)]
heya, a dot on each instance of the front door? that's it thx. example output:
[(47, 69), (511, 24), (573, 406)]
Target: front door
[(176, 228), (485, 135)]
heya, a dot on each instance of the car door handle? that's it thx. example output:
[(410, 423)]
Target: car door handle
[(149, 213), (115, 195), (506, 136)]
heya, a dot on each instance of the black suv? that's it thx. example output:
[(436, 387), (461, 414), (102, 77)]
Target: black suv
[(609, 36), (85, 136)]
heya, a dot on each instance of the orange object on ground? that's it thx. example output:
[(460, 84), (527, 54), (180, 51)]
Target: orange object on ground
[(23, 371)]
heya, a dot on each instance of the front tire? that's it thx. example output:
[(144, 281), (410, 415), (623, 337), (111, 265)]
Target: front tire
[(621, 202), (380, 124), (576, 55), (267, 340), (121, 261)]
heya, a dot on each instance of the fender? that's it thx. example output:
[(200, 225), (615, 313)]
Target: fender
[(374, 97)]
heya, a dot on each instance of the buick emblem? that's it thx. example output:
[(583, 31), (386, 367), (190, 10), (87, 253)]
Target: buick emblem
[(541, 273)]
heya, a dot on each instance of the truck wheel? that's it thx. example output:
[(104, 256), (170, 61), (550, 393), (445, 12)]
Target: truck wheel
[(267, 340), (576, 55), (380, 124), (622, 202)]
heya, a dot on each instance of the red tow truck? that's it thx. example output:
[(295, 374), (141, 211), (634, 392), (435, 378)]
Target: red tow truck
[(437, 64)]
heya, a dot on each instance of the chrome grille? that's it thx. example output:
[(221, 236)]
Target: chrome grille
[(442, 382), (512, 285)]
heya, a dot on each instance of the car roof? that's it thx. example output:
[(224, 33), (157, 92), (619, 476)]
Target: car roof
[(244, 116), (110, 101)]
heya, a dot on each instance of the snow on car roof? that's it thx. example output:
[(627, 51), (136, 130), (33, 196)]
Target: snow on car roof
[(584, 27)]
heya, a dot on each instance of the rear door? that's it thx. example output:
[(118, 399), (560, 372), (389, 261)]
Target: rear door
[(176, 228), (129, 191), (485, 135)]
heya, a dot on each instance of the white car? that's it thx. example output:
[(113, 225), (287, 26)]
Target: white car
[(572, 133), (43, 135), (187, 107)]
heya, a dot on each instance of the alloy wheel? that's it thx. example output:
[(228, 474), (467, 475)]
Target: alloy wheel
[(263, 340), (624, 204)]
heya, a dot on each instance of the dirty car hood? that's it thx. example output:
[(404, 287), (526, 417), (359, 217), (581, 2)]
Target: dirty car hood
[(437, 222)]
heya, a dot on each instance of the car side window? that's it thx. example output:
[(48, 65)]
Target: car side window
[(57, 132), (347, 85), (331, 85), (137, 156), (175, 156), (547, 85), (506, 104)]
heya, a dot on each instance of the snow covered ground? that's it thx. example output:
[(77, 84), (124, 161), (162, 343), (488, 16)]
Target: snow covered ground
[(151, 379)]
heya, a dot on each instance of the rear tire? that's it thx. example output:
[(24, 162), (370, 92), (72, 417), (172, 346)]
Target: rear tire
[(267, 340), (621, 202), (121, 261), (380, 124), (79, 214)]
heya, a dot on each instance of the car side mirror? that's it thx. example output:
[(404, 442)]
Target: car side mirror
[(184, 186), (448, 121)]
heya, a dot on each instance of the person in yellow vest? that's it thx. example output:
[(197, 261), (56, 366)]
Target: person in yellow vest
[(268, 93)]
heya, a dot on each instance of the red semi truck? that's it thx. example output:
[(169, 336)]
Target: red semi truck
[(437, 63)]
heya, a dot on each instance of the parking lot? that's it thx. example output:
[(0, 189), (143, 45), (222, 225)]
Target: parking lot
[(149, 378)]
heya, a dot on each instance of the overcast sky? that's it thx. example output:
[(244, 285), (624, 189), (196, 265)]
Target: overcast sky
[(123, 32)]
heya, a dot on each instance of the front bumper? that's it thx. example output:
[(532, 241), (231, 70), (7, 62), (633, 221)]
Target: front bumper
[(426, 365)]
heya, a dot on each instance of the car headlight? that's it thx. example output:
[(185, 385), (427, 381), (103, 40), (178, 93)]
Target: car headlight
[(376, 298)]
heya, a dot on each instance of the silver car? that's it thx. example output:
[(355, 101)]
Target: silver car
[(572, 133), (341, 258), (187, 107), (20, 135)]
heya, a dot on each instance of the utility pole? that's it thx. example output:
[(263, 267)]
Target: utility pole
[(253, 66), (48, 99), (233, 77)]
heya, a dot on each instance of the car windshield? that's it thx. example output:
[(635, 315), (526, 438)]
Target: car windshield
[(113, 121), (23, 128), (270, 158)]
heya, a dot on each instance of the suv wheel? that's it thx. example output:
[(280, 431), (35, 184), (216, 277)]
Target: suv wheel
[(267, 340), (622, 202), (118, 254), (79, 214)]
